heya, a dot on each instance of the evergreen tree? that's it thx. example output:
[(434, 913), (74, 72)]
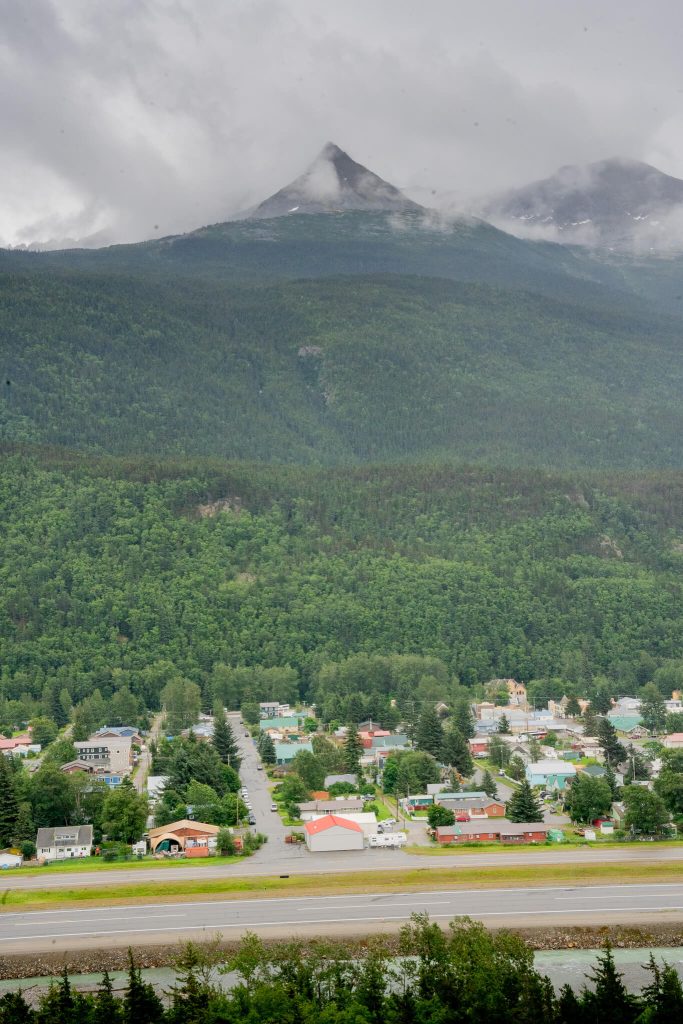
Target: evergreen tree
[(503, 725), (224, 739), (613, 749), (107, 1008), (488, 785), (9, 805), (353, 750), (637, 766), (266, 748), (653, 708), (609, 1001), (590, 721), (499, 752), (588, 798), (534, 749), (24, 826), (455, 751), (523, 805), (663, 997), (429, 731), (611, 780), (15, 1010), (141, 1004), (573, 707), (462, 717), (516, 769)]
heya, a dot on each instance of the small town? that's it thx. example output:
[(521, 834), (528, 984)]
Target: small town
[(482, 773)]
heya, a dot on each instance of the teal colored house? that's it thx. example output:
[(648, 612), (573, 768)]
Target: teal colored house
[(286, 752), (288, 722), (551, 774)]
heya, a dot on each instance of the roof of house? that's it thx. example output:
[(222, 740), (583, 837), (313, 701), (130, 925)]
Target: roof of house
[(77, 765), (551, 767), (331, 780), (624, 723), (389, 741), (282, 722), (185, 823), (596, 770), (14, 742), (502, 827), (117, 730), (330, 821), (677, 737), (64, 835), (350, 803), (287, 750)]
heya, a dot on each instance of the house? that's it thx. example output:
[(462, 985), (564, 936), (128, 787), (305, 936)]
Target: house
[(418, 803), (268, 708), (155, 786), (19, 746), (479, 746), (625, 706), (517, 749), (500, 832), (120, 731), (332, 780), (516, 692), (474, 807), (369, 726), (64, 842), (333, 833), (366, 819), (630, 725), (194, 838), (95, 770), (674, 741), (395, 741), (595, 771), (342, 805), (9, 859), (551, 774), (280, 722), (286, 752), (114, 753)]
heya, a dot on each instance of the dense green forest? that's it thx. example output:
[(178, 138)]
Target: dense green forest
[(119, 576), (342, 370)]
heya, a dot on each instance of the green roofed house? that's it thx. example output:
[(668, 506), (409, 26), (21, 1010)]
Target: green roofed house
[(628, 724), (287, 722), (596, 771), (286, 752)]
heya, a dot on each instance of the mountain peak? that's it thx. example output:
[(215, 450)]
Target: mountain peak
[(334, 182), (616, 202)]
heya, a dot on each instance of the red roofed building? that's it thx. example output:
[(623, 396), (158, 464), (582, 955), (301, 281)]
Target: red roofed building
[(333, 833)]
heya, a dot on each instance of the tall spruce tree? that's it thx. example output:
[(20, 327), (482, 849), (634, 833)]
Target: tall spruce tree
[(429, 731), (523, 805), (353, 749), (462, 717), (455, 751), (266, 748), (607, 735), (488, 785), (652, 708), (224, 739), (610, 999), (9, 804)]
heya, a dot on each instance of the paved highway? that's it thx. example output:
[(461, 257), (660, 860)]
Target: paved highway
[(330, 915)]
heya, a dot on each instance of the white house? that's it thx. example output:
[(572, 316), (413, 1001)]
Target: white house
[(64, 842), (550, 774), (333, 833), (674, 741), (9, 860), (366, 819)]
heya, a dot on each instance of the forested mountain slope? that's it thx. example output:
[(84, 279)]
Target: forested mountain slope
[(122, 574), (337, 371)]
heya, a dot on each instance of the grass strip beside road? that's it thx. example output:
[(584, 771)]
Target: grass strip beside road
[(414, 879)]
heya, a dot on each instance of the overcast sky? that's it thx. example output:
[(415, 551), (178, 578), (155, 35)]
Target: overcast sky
[(139, 118)]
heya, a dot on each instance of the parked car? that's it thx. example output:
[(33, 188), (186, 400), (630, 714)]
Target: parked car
[(259, 767), (273, 807), (252, 819)]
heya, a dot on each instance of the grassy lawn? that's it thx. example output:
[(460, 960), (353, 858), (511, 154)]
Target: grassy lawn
[(97, 864), (412, 879)]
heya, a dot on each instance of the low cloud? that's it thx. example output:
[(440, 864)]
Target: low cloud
[(139, 118)]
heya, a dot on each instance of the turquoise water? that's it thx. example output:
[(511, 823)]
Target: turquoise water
[(562, 966)]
